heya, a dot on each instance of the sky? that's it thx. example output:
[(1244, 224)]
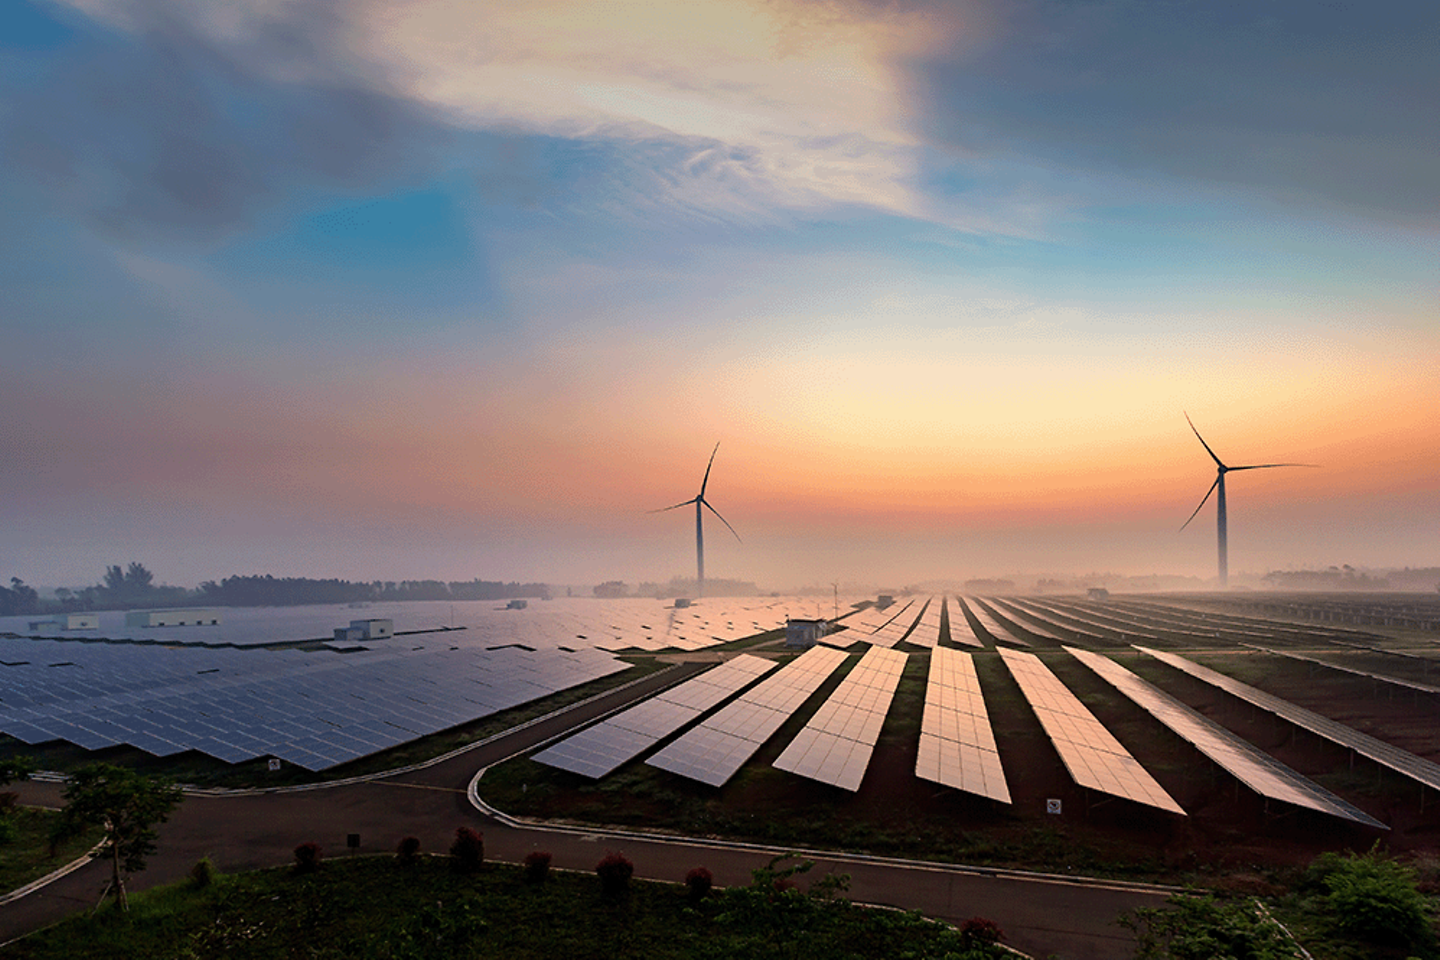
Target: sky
[(445, 289)]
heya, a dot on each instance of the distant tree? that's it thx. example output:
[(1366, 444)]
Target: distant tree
[(16, 768), (611, 589), (19, 599), (128, 805), (115, 578), (137, 578)]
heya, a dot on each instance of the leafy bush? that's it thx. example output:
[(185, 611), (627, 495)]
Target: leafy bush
[(1374, 899), (408, 850), (307, 857), (537, 866), (615, 871), (203, 874), (978, 930), (698, 883), (1204, 928), (468, 850)]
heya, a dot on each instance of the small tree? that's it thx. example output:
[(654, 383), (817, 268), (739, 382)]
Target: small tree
[(537, 866), (408, 851), (468, 850), (307, 857), (128, 805), (698, 883), (615, 871)]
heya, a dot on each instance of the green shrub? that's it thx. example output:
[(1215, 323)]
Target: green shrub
[(1205, 928), (203, 874), (1374, 899)]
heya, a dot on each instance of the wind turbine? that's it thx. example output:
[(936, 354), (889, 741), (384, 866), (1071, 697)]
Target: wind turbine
[(1220, 470), (700, 501)]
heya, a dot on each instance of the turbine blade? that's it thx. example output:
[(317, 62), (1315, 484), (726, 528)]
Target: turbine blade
[(1218, 462), (722, 519), (683, 503), (1266, 466), (1202, 500), (707, 472)]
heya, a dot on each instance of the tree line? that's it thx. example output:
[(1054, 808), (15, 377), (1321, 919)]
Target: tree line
[(134, 586)]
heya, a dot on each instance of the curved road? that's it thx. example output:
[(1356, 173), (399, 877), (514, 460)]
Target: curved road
[(1043, 916)]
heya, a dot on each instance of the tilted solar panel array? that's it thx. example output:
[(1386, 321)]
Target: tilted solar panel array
[(1251, 766), (1414, 685), (957, 744), (1026, 620), (927, 628), (960, 630), (713, 751), (836, 744), (992, 625), (604, 747), (1401, 761), (1095, 759), (316, 710), (898, 625)]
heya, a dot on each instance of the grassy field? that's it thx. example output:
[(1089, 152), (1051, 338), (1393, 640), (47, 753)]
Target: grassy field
[(378, 907), (25, 847)]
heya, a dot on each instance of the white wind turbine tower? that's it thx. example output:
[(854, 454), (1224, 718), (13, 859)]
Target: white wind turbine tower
[(1219, 485), (700, 501)]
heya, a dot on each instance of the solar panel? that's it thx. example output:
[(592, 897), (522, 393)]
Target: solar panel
[(991, 624), (836, 744), (1415, 685), (897, 626), (1251, 766), (957, 745), (927, 628), (1095, 759), (960, 629), (1401, 761), (235, 704), (600, 749), (713, 751)]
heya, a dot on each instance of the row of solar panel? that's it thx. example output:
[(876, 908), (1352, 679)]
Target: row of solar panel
[(313, 710)]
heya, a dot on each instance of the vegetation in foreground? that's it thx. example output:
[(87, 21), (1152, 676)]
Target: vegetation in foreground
[(423, 907), (1343, 907)]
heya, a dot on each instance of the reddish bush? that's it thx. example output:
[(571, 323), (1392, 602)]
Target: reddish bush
[(980, 930), (615, 871), (468, 850), (408, 850), (537, 866), (307, 857), (698, 883)]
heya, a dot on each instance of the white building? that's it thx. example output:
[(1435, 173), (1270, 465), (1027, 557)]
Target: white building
[(805, 633), (372, 629), (172, 618)]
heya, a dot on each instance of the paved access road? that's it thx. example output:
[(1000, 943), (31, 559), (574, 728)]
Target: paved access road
[(1043, 917)]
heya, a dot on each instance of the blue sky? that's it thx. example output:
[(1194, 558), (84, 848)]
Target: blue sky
[(460, 290)]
